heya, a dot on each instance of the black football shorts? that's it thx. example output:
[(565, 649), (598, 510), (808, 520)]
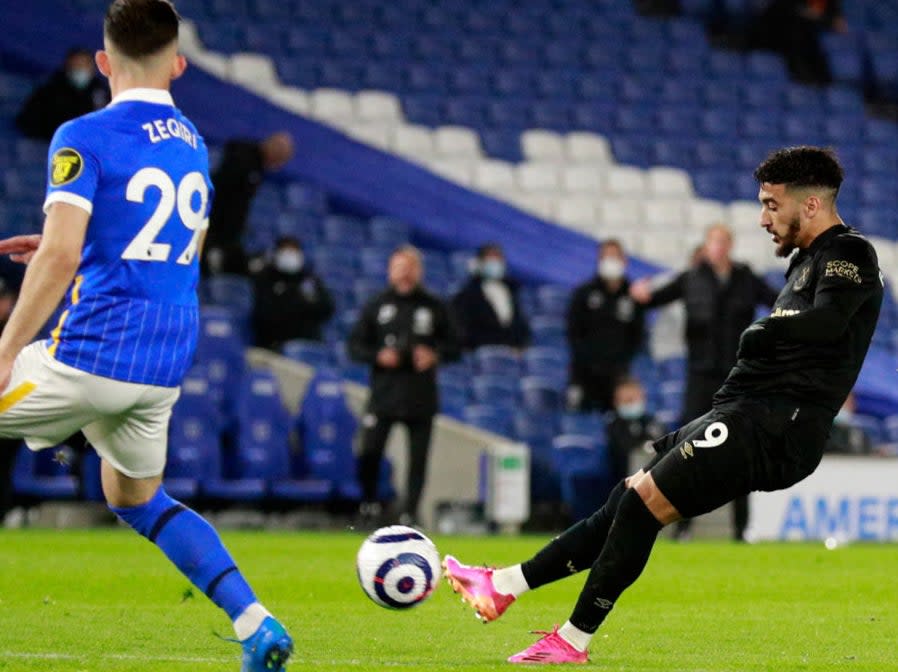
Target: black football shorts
[(737, 448)]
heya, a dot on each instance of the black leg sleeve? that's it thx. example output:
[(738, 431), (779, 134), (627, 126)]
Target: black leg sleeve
[(626, 552), (8, 450), (419, 433), (374, 441), (576, 548)]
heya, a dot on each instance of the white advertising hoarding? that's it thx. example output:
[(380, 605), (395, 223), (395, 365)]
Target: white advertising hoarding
[(846, 499)]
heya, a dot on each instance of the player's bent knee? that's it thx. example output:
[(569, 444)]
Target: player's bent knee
[(123, 491), (656, 501)]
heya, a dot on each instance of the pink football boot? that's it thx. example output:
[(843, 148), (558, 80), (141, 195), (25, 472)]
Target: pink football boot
[(550, 650), (475, 585)]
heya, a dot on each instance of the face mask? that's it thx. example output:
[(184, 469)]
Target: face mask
[(631, 411), (493, 269), (80, 78), (611, 268), (288, 261)]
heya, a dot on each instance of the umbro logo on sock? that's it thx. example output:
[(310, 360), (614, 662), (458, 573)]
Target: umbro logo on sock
[(602, 603)]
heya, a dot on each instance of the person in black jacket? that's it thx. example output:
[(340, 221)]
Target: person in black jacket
[(721, 296), (629, 426), (604, 331), (9, 448), (487, 307), (72, 91), (404, 333), (236, 180), (291, 300)]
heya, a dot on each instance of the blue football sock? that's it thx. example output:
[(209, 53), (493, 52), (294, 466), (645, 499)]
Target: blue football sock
[(194, 547)]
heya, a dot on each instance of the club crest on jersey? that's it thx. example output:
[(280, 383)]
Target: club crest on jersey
[(686, 450), (65, 166), (802, 280)]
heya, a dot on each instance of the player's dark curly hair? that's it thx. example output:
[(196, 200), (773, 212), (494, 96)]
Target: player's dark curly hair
[(140, 28), (802, 167)]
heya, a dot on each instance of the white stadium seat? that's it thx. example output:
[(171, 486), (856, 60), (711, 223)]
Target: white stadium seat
[(542, 145), (255, 72), (458, 170), (413, 142), (540, 205), (371, 133), (494, 176), (378, 106), (292, 99), (702, 213), (744, 215), (583, 178), (669, 182), (332, 106), (537, 176), (577, 211), (625, 181), (457, 141), (664, 214), (582, 146), (620, 212)]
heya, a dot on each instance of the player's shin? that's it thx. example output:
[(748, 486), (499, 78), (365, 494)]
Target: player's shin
[(626, 552), (576, 548), (195, 548)]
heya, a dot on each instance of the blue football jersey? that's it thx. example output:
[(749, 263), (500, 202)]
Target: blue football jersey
[(141, 170)]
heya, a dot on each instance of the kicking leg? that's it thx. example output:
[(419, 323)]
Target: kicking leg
[(491, 591), (195, 548)]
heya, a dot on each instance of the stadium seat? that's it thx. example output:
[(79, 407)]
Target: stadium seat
[(456, 141), (494, 176), (499, 360), (582, 467), (537, 176), (489, 418), (581, 147), (312, 353), (494, 389), (44, 474), (586, 178), (541, 395)]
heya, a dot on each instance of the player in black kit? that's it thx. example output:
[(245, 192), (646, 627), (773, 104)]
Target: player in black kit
[(767, 426)]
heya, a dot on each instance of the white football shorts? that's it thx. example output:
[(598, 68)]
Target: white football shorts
[(48, 401)]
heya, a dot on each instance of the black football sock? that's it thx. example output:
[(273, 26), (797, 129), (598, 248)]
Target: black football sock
[(576, 548), (620, 563)]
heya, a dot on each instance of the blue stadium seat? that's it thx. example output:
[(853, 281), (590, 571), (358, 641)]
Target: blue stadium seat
[(470, 80), (232, 291), (584, 424), (492, 389), (466, 110), (341, 230), (490, 418), (388, 232), (541, 394), (546, 361), (499, 360), (312, 353), (552, 299), (583, 469), (548, 331), (45, 474), (326, 429), (502, 143)]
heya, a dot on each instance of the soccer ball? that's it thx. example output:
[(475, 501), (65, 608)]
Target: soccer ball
[(398, 567)]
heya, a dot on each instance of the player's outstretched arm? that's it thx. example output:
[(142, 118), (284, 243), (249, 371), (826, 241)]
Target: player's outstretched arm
[(48, 276)]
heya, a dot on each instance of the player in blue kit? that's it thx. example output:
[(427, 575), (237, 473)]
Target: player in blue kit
[(126, 212)]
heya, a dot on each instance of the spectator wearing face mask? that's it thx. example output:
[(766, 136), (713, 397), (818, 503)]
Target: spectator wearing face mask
[(291, 301), (72, 91), (604, 331), (487, 307), (629, 427)]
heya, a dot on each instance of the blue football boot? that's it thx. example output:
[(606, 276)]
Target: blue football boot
[(268, 649)]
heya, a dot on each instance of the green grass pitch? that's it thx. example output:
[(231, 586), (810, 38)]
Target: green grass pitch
[(106, 600)]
